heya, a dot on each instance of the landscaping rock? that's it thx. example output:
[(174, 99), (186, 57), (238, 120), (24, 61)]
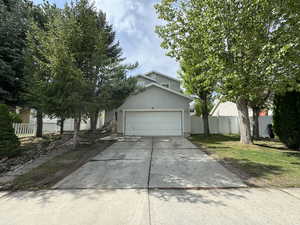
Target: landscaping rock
[(31, 150)]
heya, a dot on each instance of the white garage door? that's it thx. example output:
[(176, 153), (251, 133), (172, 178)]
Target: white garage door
[(154, 123)]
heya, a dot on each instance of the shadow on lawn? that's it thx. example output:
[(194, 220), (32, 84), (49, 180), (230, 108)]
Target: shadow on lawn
[(254, 169), (294, 153), (272, 147), (215, 138)]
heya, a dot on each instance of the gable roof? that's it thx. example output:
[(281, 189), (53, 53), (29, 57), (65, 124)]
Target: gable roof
[(215, 107), (163, 75), (169, 90), (145, 77)]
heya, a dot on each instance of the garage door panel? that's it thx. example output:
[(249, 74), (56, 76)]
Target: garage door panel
[(155, 123)]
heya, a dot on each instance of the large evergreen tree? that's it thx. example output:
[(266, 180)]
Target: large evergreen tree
[(100, 59), (14, 15), (75, 63)]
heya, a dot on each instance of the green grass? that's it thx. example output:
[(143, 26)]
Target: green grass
[(265, 163)]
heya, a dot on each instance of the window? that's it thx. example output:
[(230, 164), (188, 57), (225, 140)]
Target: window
[(141, 83), (165, 85)]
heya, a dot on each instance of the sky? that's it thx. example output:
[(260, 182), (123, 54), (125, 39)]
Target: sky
[(134, 22)]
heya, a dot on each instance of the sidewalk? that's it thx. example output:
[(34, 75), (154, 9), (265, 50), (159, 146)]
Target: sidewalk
[(156, 207)]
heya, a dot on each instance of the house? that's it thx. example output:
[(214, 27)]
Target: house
[(28, 116), (159, 109), (230, 109)]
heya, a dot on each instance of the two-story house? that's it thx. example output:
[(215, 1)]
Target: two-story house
[(160, 109)]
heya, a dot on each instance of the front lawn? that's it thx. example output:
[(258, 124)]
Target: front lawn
[(264, 164)]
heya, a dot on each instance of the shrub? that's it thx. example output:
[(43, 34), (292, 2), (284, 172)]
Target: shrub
[(15, 118), (287, 118), (9, 142)]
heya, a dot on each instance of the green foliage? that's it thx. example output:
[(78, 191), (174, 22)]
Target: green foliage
[(199, 106), (246, 48), (9, 143), (15, 118), (287, 118), (239, 44), (14, 16), (56, 84), (73, 61)]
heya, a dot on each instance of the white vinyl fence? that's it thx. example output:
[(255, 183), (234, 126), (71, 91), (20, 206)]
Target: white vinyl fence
[(228, 125), (29, 129), (24, 129)]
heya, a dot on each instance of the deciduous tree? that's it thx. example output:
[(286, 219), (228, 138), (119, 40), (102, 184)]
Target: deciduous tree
[(243, 43)]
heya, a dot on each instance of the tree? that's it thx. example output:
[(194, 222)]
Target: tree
[(13, 27), (195, 82), (67, 58), (243, 42), (9, 143), (259, 102), (56, 76), (109, 71), (33, 74), (287, 118), (199, 106)]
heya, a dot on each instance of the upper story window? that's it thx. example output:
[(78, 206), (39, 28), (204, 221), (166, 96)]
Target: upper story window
[(165, 85), (141, 83)]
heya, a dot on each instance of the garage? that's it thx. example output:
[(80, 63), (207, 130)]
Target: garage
[(153, 123)]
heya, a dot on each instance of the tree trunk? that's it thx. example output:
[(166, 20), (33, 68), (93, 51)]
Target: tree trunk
[(94, 121), (62, 122), (244, 121), (255, 122), (39, 124), (77, 121), (114, 123), (205, 115)]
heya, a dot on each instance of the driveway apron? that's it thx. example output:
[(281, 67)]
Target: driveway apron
[(177, 163), (123, 165)]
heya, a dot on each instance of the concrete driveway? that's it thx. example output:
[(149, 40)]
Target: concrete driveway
[(158, 162), (151, 181)]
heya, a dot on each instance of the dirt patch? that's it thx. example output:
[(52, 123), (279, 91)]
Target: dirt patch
[(54, 170), (32, 149)]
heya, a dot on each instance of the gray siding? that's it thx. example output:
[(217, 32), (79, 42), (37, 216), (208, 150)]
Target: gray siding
[(143, 81), (156, 98), (174, 85)]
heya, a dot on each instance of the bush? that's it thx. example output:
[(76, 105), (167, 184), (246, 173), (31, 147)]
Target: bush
[(287, 118), (15, 118), (9, 142)]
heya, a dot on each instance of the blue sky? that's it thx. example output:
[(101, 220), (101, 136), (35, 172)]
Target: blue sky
[(134, 21)]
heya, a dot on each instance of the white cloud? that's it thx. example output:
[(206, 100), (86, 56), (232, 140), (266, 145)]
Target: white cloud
[(134, 22)]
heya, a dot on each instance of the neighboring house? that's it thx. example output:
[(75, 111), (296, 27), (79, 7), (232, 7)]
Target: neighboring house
[(28, 116), (230, 109), (159, 109)]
